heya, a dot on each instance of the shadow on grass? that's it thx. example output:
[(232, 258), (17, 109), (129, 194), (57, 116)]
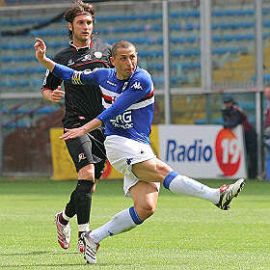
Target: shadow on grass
[(25, 266), (36, 253), (58, 265)]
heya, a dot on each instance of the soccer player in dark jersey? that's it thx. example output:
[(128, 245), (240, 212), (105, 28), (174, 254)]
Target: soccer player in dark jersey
[(129, 91), (85, 52)]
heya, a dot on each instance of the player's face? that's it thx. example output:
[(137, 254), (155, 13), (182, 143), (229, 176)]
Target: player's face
[(82, 28), (228, 104), (125, 62)]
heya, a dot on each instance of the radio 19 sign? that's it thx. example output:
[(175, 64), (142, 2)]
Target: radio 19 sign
[(228, 152)]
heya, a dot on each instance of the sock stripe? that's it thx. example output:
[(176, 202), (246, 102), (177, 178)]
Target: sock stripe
[(135, 216), (168, 179)]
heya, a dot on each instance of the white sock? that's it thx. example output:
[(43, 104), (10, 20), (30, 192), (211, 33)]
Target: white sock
[(83, 227), (65, 217), (121, 222), (185, 185)]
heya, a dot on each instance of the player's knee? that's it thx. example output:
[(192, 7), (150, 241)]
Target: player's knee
[(145, 210), (85, 187), (162, 169), (87, 173)]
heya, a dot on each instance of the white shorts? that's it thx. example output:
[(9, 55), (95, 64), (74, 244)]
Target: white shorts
[(123, 153)]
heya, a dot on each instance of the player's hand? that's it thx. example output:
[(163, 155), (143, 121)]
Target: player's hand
[(40, 48), (73, 133), (57, 95)]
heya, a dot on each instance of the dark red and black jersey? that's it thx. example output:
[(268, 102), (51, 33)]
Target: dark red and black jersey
[(82, 103), (234, 116)]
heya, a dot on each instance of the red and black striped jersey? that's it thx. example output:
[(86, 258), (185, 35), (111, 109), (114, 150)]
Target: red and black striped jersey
[(82, 102)]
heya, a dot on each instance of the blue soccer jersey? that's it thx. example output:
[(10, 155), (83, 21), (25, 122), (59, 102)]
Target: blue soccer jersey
[(129, 103)]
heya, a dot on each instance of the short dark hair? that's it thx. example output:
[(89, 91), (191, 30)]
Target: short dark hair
[(79, 8), (121, 44), (227, 99)]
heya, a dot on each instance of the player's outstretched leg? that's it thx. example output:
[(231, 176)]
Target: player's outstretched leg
[(63, 232), (228, 192), (221, 197)]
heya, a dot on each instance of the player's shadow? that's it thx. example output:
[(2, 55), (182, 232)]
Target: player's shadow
[(20, 266), (38, 253), (34, 253), (25, 266), (25, 253)]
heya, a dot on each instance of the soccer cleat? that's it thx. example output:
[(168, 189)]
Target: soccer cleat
[(90, 249), (63, 232), (81, 243), (228, 192)]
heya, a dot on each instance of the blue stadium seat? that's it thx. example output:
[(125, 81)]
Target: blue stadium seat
[(185, 14), (23, 70), (17, 58), (23, 21), (190, 39), (231, 37), (16, 124), (233, 12), (186, 53), (201, 121), (47, 109), (143, 29), (233, 25)]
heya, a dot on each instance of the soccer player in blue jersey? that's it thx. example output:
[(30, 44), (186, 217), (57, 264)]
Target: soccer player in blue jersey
[(128, 96)]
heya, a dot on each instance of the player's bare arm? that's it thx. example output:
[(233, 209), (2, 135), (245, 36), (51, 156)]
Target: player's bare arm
[(40, 48), (77, 132)]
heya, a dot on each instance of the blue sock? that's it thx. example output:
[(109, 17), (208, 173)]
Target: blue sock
[(168, 179), (134, 215)]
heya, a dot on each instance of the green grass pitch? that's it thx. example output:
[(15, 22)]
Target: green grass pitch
[(184, 233)]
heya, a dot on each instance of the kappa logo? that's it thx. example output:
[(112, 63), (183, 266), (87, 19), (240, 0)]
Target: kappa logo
[(70, 62), (129, 160), (137, 85), (111, 83), (110, 233), (81, 157)]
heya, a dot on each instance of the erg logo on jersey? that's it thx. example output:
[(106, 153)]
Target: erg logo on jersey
[(123, 120)]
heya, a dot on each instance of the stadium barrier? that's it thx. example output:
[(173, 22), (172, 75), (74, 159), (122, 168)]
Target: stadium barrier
[(63, 168), (196, 151)]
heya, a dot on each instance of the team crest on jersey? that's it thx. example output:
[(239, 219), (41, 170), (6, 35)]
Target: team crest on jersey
[(137, 86), (98, 54)]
